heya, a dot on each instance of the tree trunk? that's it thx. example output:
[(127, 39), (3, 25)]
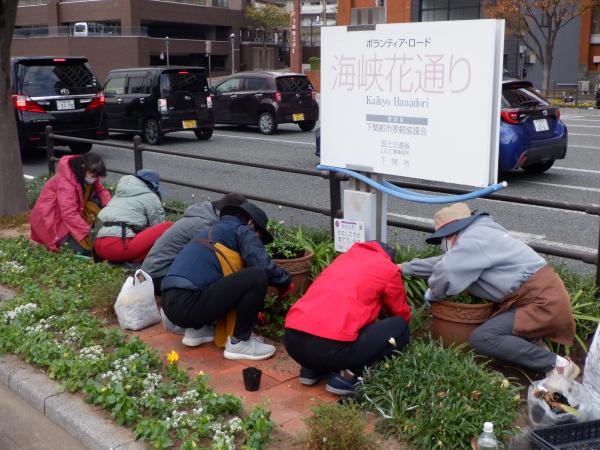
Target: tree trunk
[(12, 185), (546, 78)]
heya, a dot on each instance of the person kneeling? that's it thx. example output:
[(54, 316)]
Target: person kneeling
[(222, 270), (334, 326)]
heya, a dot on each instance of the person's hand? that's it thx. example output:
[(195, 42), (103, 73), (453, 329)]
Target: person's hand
[(286, 291), (427, 298)]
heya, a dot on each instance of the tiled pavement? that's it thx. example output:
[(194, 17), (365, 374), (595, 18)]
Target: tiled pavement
[(288, 400)]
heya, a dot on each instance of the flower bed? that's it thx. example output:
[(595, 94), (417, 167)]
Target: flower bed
[(50, 325)]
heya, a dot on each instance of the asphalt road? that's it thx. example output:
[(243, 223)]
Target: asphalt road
[(574, 179)]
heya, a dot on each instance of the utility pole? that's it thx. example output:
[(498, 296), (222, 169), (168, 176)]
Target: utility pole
[(232, 39), (167, 45), (324, 3)]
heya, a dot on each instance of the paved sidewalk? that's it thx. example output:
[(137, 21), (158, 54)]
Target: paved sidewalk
[(288, 400), (22, 427)]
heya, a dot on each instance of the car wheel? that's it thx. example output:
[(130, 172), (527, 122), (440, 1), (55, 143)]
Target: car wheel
[(266, 123), (80, 147), (152, 132), (203, 135), (307, 125), (539, 167)]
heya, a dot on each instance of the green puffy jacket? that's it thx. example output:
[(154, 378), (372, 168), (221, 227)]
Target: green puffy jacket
[(134, 203)]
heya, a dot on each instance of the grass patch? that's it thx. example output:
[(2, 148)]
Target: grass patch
[(436, 398), (337, 426)]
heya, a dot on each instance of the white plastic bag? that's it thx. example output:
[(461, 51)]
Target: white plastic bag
[(540, 413), (591, 374), (135, 305)]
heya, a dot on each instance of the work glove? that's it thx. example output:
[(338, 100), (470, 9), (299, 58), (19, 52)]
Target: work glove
[(286, 291), (427, 298)]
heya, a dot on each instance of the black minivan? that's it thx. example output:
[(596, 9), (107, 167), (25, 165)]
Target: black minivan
[(58, 91), (158, 100)]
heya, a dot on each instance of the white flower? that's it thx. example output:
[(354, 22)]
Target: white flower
[(93, 353), (235, 424), (392, 341), (505, 383), (19, 310), (12, 266)]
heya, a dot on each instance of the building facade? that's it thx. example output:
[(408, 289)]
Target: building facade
[(135, 33), (576, 52)]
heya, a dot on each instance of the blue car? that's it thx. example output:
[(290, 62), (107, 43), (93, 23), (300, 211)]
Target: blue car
[(532, 136)]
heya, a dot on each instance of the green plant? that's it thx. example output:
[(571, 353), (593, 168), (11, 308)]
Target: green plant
[(315, 63), (287, 243), (337, 426), (586, 309), (50, 324), (436, 398)]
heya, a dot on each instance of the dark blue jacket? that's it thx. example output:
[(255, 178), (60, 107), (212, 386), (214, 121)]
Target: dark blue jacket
[(197, 266)]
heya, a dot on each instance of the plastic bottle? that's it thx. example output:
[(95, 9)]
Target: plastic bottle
[(487, 440)]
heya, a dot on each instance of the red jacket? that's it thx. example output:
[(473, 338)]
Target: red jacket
[(349, 294), (57, 211)]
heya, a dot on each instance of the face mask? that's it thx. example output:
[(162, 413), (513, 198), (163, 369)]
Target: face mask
[(445, 245), (90, 180)]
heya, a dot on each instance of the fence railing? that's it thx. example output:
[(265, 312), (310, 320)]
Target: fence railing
[(335, 192), (67, 31)]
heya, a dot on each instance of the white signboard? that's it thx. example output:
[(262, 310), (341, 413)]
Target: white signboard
[(418, 100), (346, 233)]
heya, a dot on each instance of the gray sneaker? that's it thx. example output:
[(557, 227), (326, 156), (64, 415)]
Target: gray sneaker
[(170, 326), (195, 337), (251, 349)]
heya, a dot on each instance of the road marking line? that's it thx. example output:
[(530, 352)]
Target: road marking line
[(571, 169), (582, 120), (569, 117), (583, 146), (577, 134), (264, 139), (583, 126), (564, 186), (525, 237)]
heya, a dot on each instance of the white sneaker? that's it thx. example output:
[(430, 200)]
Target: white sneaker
[(251, 349), (570, 370), (195, 337), (170, 326)]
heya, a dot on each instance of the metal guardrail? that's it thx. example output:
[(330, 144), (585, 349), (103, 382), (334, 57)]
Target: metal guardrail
[(335, 192)]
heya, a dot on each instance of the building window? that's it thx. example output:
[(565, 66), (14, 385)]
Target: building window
[(221, 3), (596, 20), (433, 10)]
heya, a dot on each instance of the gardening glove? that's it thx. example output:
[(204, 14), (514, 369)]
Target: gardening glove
[(286, 291), (427, 298)]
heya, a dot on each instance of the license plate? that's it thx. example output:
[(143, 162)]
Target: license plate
[(298, 117), (541, 125), (62, 105), (189, 124)]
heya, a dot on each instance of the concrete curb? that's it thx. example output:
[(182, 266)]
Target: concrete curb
[(66, 410)]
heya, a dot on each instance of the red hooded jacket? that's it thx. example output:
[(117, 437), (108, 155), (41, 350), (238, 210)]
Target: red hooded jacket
[(57, 211), (349, 295)]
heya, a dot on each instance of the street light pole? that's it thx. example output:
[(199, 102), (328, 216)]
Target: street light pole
[(167, 44), (232, 39)]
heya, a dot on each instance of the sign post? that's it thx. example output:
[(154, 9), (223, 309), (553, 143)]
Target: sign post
[(417, 100), (295, 42), (208, 53)]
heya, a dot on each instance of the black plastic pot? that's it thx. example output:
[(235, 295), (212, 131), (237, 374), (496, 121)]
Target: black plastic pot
[(251, 378)]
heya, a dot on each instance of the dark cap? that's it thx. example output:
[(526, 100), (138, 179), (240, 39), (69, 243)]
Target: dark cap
[(152, 179), (233, 198), (258, 215)]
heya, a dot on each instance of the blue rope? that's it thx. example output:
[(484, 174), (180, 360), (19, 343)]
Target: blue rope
[(388, 188)]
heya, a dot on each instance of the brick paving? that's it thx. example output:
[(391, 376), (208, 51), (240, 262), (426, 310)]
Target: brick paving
[(288, 400)]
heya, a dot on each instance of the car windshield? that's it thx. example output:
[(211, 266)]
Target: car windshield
[(63, 78), (183, 81), (521, 96), (293, 84)]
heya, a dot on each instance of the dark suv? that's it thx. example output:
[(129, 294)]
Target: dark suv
[(266, 99), (159, 100), (61, 92)]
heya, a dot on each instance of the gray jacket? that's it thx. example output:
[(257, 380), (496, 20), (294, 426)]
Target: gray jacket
[(197, 217), (486, 260), (133, 203)]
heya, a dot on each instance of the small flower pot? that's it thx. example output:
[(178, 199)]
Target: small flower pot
[(454, 322), (251, 378)]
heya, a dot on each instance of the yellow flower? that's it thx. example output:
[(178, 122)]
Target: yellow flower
[(505, 383), (173, 357), (78, 285), (193, 444), (392, 341), (201, 373)]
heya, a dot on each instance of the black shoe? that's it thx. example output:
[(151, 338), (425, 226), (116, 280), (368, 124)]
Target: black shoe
[(338, 385), (309, 377)]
